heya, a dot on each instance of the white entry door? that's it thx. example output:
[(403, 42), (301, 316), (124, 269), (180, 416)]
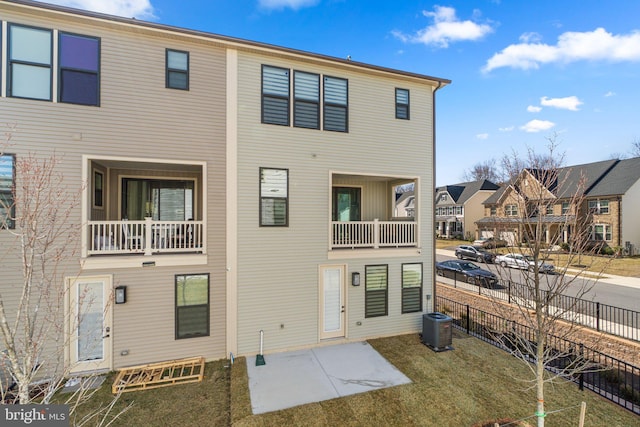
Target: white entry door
[(332, 301), (90, 323)]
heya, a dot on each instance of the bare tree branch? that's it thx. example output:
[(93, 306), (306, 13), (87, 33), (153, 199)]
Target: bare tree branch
[(43, 235), (546, 210)]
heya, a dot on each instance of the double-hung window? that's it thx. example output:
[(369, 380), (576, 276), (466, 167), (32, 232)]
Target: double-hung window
[(335, 104), (511, 210), (79, 66), (7, 183), (412, 287), (402, 104), (599, 207), (601, 232), (566, 208), (177, 69), (274, 199), (192, 305), (306, 104), (376, 291), (29, 62), (275, 95)]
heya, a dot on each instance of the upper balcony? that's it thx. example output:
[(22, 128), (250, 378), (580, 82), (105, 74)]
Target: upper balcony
[(364, 214), (144, 209)]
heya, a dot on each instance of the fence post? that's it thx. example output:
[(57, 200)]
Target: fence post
[(509, 291), (598, 316), (468, 319)]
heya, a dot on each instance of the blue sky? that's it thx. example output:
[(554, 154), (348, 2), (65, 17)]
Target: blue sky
[(521, 71)]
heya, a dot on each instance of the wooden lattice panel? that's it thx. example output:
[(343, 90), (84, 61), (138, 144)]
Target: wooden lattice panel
[(160, 374)]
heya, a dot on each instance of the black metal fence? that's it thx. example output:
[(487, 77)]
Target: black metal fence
[(613, 320), (605, 375)]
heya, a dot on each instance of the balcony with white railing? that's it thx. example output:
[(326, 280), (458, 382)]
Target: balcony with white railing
[(146, 237), (373, 234)]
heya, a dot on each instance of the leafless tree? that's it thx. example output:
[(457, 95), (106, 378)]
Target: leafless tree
[(41, 240), (546, 210), (483, 170), (635, 148)]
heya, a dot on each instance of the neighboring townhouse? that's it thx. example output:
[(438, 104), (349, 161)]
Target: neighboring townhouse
[(610, 195), (228, 187), (405, 205), (459, 206)]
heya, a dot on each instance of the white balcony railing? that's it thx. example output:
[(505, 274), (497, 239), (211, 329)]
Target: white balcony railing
[(373, 234), (144, 237)]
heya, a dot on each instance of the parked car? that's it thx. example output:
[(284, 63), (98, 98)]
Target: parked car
[(466, 271), (524, 262), (490, 242), (476, 253)]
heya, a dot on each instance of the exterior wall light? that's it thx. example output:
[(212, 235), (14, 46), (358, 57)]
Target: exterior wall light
[(355, 278), (121, 294)]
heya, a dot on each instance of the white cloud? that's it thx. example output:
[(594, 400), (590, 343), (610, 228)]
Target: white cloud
[(530, 37), (597, 45), (281, 4), (446, 28), (537, 126), (534, 109), (507, 129), (567, 103), (482, 136), (141, 9), (608, 94)]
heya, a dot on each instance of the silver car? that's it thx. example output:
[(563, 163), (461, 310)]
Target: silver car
[(524, 262)]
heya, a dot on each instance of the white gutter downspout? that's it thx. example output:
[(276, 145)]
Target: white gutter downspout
[(433, 192)]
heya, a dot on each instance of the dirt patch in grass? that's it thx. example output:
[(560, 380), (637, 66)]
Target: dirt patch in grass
[(620, 348)]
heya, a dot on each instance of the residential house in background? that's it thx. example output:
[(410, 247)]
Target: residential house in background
[(405, 205), (228, 186), (611, 192), (459, 206)]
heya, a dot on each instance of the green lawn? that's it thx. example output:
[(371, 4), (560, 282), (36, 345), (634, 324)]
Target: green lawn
[(476, 382)]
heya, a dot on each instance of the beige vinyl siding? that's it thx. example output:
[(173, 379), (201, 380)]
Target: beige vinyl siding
[(629, 225), (474, 211), (278, 267), (138, 118)]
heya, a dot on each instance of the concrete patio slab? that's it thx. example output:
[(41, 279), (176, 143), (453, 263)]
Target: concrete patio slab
[(294, 378)]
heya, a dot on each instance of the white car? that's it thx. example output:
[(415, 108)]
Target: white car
[(524, 262)]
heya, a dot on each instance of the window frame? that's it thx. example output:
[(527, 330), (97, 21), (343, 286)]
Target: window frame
[(62, 68), (565, 208), (400, 106), (511, 209), (179, 336), (9, 223), (598, 207), (607, 232), (169, 70), (10, 62), (368, 292), (405, 288), (326, 104), (98, 193), (265, 96), (298, 100), (264, 198)]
